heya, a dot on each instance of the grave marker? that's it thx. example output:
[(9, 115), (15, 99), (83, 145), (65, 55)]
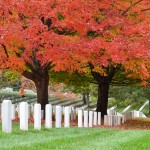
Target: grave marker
[(79, 118), (58, 116), (48, 116), (85, 119), (67, 117), (23, 116), (7, 116), (37, 116), (91, 119)]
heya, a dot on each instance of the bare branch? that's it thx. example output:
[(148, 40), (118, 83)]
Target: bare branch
[(27, 63), (124, 12), (146, 9), (28, 75), (5, 50)]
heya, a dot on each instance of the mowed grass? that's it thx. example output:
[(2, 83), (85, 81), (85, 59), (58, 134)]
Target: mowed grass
[(74, 139)]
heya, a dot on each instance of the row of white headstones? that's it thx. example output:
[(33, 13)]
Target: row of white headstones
[(85, 118)]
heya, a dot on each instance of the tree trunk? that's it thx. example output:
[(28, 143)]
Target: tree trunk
[(84, 98), (149, 107), (87, 99), (103, 89), (41, 83)]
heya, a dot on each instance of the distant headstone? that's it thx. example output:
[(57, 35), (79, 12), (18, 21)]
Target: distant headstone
[(95, 119), (85, 119), (119, 120), (105, 120), (90, 118), (79, 118), (7, 116), (123, 119), (109, 120), (67, 117)]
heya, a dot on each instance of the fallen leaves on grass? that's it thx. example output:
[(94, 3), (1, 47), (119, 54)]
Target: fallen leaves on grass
[(134, 124)]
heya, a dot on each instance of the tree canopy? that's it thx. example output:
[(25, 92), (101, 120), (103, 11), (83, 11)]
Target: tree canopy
[(98, 36)]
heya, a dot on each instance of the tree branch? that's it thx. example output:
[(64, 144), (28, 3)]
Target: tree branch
[(5, 50), (27, 63), (28, 75), (146, 9), (124, 12)]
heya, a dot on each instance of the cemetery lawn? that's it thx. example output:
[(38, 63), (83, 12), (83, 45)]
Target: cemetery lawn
[(75, 139)]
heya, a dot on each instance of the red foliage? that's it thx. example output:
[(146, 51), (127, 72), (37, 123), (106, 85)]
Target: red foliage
[(32, 29)]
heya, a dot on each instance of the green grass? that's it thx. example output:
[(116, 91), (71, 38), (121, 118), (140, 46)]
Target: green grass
[(74, 139)]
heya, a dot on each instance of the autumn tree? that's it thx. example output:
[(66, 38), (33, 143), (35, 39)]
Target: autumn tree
[(114, 40), (37, 36), (33, 35), (120, 43)]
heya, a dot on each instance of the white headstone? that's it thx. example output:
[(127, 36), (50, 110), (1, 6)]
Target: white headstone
[(24, 116), (67, 117), (58, 116), (95, 119), (99, 118), (105, 120), (123, 118), (7, 116), (119, 120), (109, 120), (13, 112), (37, 116), (79, 118), (90, 118), (48, 116), (85, 119), (115, 120), (71, 115)]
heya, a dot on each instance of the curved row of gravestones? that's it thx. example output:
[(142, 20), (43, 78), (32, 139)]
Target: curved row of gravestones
[(85, 118)]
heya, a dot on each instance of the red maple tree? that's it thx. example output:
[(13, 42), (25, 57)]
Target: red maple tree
[(37, 36)]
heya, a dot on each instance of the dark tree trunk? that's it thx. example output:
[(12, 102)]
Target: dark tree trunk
[(103, 89), (41, 83), (87, 99), (149, 106), (84, 98)]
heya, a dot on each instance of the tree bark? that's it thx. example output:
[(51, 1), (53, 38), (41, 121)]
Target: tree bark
[(41, 83), (149, 107), (87, 99), (84, 98), (102, 102)]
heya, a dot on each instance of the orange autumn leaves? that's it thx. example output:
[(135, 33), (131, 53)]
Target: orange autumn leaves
[(87, 31)]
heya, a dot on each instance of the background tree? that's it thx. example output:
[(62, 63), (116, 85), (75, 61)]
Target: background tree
[(117, 39), (79, 83)]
